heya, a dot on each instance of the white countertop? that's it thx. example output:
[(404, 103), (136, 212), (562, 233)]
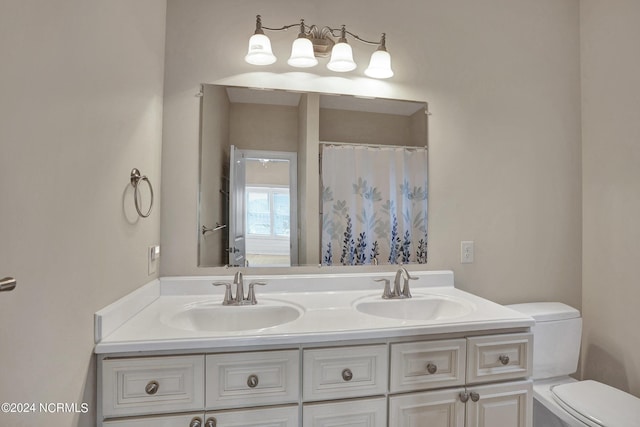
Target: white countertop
[(142, 320)]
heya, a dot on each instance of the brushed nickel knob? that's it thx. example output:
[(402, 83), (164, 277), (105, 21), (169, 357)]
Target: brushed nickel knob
[(211, 422), (504, 359), (464, 396), (347, 375), (432, 368), (474, 396), (152, 387), (252, 381), (196, 422)]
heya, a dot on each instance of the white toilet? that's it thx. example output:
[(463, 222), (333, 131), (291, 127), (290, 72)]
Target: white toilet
[(560, 400)]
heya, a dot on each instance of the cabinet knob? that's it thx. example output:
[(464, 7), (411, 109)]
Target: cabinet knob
[(196, 422), (152, 387), (211, 422), (252, 381), (474, 396), (504, 359), (464, 396), (432, 368), (347, 375)]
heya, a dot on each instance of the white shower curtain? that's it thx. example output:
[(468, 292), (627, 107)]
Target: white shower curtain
[(374, 204)]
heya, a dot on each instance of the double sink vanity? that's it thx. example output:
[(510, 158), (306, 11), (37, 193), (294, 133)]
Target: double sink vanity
[(312, 350)]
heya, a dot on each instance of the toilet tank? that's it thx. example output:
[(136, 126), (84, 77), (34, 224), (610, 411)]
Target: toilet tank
[(556, 338)]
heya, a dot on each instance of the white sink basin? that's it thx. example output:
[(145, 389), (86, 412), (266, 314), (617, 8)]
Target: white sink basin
[(213, 316), (422, 307)]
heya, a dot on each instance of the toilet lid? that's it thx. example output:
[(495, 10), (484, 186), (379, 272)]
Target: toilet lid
[(598, 404)]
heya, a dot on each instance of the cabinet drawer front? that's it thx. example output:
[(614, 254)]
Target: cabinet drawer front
[(426, 365), (184, 420), (139, 386), (354, 413), (263, 417), (345, 372), (431, 408), (246, 379), (499, 357)]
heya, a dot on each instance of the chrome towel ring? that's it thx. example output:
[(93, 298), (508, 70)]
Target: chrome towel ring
[(136, 177)]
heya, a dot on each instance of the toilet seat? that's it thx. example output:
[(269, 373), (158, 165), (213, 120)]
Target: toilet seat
[(597, 404)]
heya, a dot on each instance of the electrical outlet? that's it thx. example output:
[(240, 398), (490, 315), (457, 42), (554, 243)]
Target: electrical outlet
[(466, 252), (153, 254)]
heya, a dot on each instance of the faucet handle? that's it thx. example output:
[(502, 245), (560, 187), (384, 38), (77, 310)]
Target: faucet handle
[(227, 292), (386, 294), (251, 296), (406, 293)]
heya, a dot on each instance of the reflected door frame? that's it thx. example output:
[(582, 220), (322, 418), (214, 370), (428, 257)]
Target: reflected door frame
[(292, 158)]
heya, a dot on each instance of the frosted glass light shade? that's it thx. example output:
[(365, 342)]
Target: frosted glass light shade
[(302, 54), (379, 65), (341, 58), (260, 50)]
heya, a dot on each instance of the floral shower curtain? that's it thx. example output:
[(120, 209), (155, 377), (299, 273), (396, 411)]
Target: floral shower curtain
[(374, 204)]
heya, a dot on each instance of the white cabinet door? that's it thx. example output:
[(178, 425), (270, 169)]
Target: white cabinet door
[(431, 408), (508, 404), (353, 413)]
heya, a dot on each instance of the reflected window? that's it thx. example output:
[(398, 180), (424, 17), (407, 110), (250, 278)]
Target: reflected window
[(268, 212)]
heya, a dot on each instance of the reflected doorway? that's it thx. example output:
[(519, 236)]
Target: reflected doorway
[(263, 208)]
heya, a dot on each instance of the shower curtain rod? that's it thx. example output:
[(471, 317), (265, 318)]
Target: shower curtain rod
[(407, 147)]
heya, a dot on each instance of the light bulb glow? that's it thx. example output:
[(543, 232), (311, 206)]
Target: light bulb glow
[(341, 58), (302, 54), (380, 65), (259, 52)]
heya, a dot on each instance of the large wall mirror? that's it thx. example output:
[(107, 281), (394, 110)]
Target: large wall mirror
[(290, 178)]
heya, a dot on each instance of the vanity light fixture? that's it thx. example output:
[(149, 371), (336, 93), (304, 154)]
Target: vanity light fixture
[(314, 42)]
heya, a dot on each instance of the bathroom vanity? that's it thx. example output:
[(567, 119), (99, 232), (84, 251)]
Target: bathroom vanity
[(316, 350)]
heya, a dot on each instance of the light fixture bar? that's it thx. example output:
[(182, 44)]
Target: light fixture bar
[(313, 42)]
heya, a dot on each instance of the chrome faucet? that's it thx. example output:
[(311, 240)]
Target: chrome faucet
[(239, 298), (238, 281), (397, 293), (402, 273)]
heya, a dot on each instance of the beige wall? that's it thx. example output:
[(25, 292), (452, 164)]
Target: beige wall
[(502, 81), (80, 106), (366, 128), (264, 127), (611, 191)]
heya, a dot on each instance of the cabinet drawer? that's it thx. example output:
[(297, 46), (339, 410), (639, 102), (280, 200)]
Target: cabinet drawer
[(267, 417), (139, 386), (361, 413), (426, 365), (258, 378), (499, 357), (337, 373), (184, 420)]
